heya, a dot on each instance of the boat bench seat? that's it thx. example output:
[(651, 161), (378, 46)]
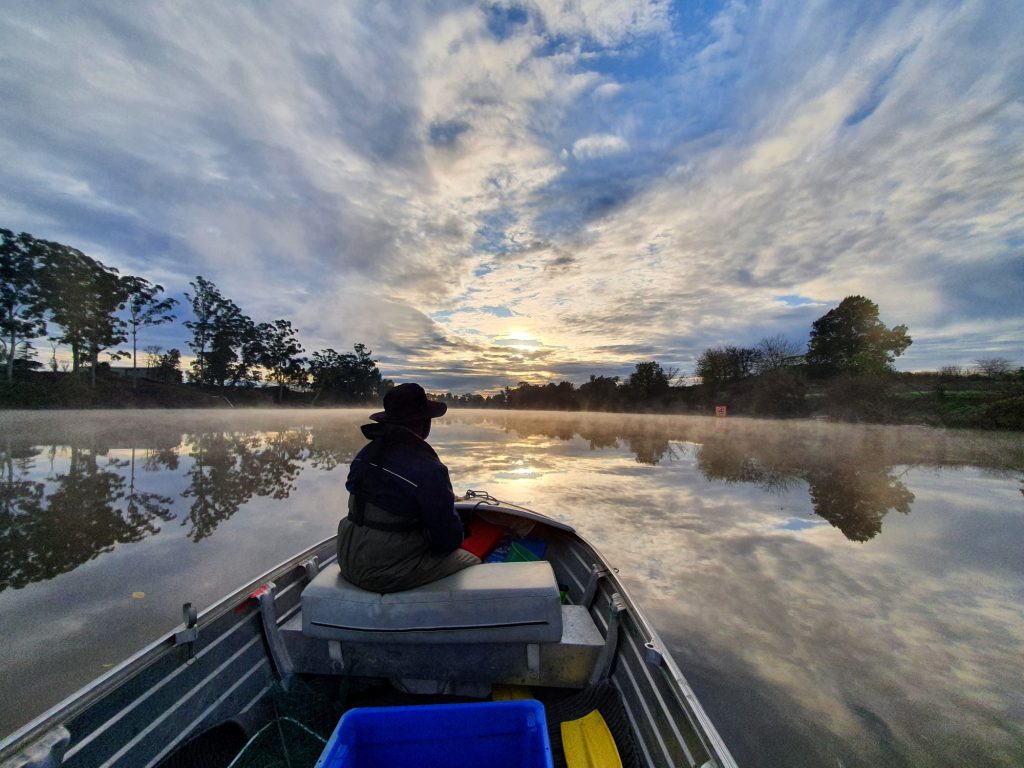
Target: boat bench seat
[(492, 602)]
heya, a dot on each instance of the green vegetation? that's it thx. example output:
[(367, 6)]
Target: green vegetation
[(850, 339)]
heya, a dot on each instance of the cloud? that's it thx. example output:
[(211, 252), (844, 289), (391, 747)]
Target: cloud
[(619, 174), (607, 90), (597, 146), (605, 23)]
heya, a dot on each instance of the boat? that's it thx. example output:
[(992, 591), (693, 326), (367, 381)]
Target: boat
[(553, 625)]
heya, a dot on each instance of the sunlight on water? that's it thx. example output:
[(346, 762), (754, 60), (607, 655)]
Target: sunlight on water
[(835, 594)]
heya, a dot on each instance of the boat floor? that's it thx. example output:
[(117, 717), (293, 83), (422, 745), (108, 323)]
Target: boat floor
[(316, 704)]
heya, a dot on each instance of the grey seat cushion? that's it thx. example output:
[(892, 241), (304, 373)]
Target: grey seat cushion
[(493, 602)]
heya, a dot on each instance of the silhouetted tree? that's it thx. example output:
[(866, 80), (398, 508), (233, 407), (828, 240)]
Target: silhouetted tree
[(168, 366), (775, 353), (21, 308), (83, 297), (279, 350), (352, 377), (207, 306), (851, 339), (224, 339), (102, 294), (649, 381), (951, 372), (994, 367), (145, 309), (601, 393)]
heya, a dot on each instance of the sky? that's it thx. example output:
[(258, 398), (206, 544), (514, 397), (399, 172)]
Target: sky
[(488, 193)]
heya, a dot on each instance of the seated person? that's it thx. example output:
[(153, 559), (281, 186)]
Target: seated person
[(402, 529)]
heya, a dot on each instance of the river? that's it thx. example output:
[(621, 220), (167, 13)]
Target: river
[(837, 595)]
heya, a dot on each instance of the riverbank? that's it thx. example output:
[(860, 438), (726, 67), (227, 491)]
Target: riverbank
[(64, 391), (907, 399)]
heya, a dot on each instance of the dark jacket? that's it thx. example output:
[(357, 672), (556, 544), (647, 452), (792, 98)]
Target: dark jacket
[(398, 472)]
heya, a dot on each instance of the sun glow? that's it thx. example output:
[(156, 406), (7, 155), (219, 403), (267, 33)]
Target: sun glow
[(522, 340)]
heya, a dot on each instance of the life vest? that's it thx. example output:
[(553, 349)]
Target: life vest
[(384, 438)]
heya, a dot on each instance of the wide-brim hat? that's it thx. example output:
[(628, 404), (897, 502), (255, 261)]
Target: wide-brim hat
[(408, 403)]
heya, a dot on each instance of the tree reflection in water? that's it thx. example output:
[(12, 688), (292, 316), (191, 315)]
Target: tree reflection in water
[(855, 500), (852, 492), (229, 469), (91, 509), (65, 498), (852, 487), (53, 521)]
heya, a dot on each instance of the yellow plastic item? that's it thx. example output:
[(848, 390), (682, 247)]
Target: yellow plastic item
[(589, 744), (511, 692)]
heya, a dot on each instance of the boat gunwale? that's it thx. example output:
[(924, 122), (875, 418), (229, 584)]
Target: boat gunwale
[(78, 701), (704, 726)]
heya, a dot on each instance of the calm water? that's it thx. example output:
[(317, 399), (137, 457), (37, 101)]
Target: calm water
[(837, 596)]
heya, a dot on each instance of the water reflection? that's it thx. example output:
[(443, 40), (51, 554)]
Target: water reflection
[(89, 508), (853, 485), (819, 620), (88, 501), (229, 469), (66, 503), (852, 495)]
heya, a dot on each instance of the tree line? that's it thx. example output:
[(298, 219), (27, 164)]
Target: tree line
[(650, 385), (48, 289), (848, 340), (845, 370), (93, 307), (52, 290)]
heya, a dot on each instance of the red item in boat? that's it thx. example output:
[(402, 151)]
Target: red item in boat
[(483, 537)]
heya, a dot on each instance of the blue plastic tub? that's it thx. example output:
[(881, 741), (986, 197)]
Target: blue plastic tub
[(493, 734)]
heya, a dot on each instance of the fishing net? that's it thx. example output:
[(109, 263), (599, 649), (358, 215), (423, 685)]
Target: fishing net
[(304, 719)]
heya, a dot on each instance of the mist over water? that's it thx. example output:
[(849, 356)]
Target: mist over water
[(837, 595)]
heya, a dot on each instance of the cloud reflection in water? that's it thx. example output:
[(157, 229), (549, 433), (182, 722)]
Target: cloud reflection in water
[(888, 636)]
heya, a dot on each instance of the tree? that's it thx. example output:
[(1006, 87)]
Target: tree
[(367, 382), (21, 311), (236, 349), (601, 393), (649, 381), (348, 377), (223, 338), (83, 297), (774, 353), (167, 367), (994, 367), (144, 310), (951, 372), (152, 354), (207, 304), (851, 339), (279, 350), (726, 365)]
